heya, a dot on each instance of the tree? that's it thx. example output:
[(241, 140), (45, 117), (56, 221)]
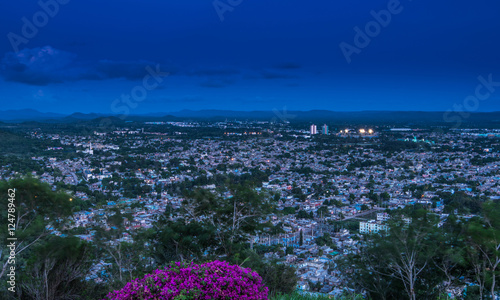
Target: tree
[(302, 214), (181, 241), (116, 219), (385, 196), (367, 271), (484, 237), (462, 202), (279, 278), (352, 197), (56, 269), (235, 218), (34, 207), (324, 240), (323, 211), (402, 256), (409, 249), (451, 254), (126, 257), (277, 229)]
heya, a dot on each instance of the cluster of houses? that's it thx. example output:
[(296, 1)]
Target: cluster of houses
[(315, 183)]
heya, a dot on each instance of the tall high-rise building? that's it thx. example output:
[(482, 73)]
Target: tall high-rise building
[(314, 130), (325, 129)]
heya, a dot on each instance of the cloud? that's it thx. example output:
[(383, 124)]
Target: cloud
[(219, 77), (42, 66), (216, 83), (38, 66), (276, 75), (288, 66), (46, 65), (132, 70), (219, 72)]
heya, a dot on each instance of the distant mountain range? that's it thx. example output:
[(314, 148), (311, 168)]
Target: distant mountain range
[(27, 114), (24, 115)]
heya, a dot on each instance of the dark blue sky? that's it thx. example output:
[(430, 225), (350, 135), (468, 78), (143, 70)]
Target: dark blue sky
[(263, 55)]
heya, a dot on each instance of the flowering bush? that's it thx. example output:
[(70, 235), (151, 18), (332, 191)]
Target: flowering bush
[(212, 280)]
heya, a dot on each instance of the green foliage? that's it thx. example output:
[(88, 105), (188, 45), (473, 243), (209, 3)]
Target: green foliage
[(18, 144), (21, 164), (227, 223), (279, 278), (216, 227), (419, 260), (323, 211), (386, 259), (302, 214), (289, 210), (484, 253), (38, 206), (56, 269), (36, 199), (461, 202), (116, 219), (325, 240), (179, 241)]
